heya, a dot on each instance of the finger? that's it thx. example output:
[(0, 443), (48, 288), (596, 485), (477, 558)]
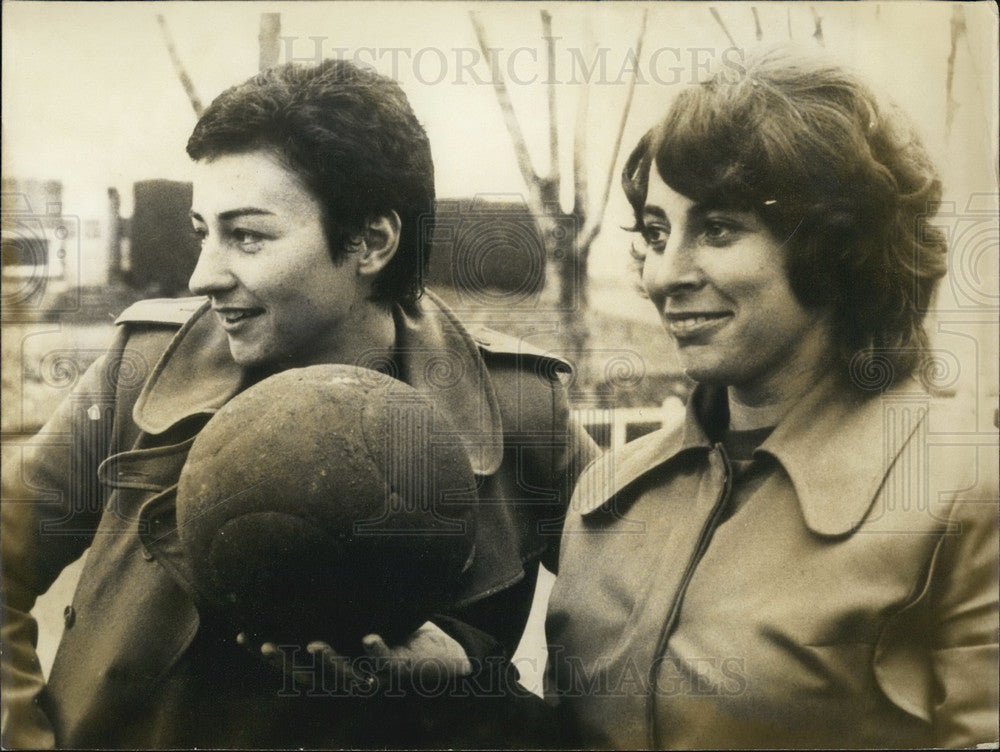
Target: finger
[(384, 657), (375, 646), (327, 654), (399, 659), (271, 654), (247, 642), (276, 659), (344, 667), (319, 647)]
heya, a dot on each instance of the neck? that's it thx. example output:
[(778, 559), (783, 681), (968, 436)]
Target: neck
[(744, 417), (763, 402), (368, 341), (366, 337)]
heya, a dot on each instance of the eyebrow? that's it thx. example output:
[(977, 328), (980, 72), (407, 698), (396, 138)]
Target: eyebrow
[(696, 211), (651, 210), (235, 213)]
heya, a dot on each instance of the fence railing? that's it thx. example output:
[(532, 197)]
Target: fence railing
[(611, 427)]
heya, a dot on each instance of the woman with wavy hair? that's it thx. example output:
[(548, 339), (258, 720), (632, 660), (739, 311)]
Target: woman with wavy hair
[(800, 562)]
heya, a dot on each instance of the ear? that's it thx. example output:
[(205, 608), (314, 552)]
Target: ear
[(381, 241)]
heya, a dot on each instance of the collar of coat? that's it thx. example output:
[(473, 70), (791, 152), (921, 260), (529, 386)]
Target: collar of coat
[(196, 376), (837, 447)]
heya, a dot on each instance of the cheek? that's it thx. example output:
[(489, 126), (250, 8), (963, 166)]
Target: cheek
[(777, 320), (291, 281), (647, 270), (262, 275), (761, 286)]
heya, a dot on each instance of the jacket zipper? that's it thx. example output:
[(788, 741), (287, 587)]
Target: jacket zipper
[(671, 621)]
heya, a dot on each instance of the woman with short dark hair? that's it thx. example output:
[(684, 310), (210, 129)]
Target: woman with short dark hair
[(313, 203), (786, 567)]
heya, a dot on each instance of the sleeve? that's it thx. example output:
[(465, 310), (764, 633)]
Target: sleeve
[(554, 451), (477, 644), (964, 594), (569, 461), (52, 503)]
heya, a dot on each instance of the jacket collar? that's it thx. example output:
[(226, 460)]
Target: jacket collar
[(653, 453), (835, 445), (438, 357), (196, 376)]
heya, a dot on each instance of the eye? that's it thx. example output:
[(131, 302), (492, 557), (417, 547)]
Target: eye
[(247, 239), (655, 236), (719, 231), (200, 233)]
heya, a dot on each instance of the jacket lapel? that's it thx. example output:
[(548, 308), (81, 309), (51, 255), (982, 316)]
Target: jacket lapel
[(439, 358), (654, 452), (195, 375)]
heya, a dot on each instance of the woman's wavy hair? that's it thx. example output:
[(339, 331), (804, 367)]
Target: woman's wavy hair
[(837, 175), (350, 136)]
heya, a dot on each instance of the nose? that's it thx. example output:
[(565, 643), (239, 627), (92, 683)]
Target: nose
[(673, 272), (211, 274)]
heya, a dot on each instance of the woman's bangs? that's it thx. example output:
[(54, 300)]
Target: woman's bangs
[(703, 157)]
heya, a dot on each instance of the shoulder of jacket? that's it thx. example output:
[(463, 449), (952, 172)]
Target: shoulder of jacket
[(969, 471), (649, 448), (614, 470), (492, 342), (163, 311)]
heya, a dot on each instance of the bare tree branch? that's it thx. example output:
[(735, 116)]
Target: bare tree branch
[(581, 187), (958, 29), (267, 40), (598, 218), (179, 67), (509, 117), (581, 181), (550, 60), (718, 20), (758, 31), (818, 33)]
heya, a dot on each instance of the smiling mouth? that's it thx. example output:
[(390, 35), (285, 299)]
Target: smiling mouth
[(689, 324), (232, 316)]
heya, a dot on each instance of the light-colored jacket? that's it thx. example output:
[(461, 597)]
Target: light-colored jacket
[(136, 667), (850, 600)]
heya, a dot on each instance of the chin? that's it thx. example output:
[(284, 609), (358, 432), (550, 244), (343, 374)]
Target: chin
[(704, 373), (247, 357)]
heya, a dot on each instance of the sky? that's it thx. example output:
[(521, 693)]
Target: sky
[(90, 96)]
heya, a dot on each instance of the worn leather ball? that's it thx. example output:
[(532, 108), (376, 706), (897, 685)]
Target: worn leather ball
[(326, 503)]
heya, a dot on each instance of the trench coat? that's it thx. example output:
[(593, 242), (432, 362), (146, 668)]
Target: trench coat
[(137, 667), (839, 592)]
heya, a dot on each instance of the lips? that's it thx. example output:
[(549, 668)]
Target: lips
[(688, 324), (232, 316)]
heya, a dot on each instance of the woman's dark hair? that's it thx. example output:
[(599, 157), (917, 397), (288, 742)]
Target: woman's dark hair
[(838, 176), (350, 136)]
